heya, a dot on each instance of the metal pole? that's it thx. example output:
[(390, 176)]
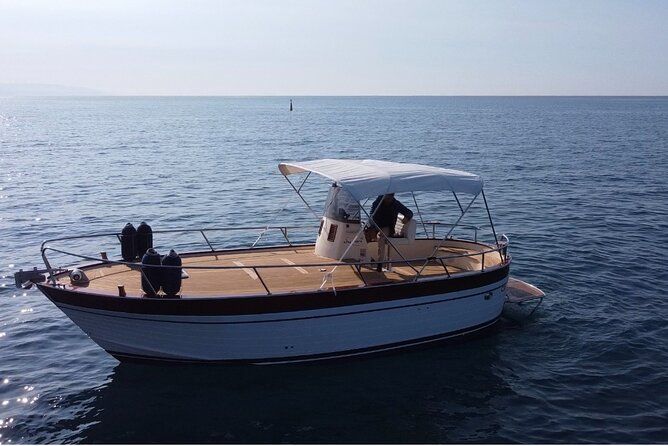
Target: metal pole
[(458, 203), (459, 219), (420, 215), (261, 281), (48, 266), (362, 230), (440, 259), (302, 198), (143, 274), (264, 231), (207, 240), (388, 241), (343, 256), (358, 268), (433, 254), (490, 219), (285, 235)]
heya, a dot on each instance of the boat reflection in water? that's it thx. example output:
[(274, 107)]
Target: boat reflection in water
[(428, 395)]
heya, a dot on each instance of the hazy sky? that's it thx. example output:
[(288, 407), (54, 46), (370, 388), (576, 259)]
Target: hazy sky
[(338, 47)]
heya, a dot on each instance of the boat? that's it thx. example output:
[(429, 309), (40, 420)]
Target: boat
[(295, 302), (522, 300)]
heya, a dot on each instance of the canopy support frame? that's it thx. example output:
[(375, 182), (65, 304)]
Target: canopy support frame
[(387, 239), (282, 208), (461, 209), (489, 215), (300, 195), (433, 253), (420, 215)]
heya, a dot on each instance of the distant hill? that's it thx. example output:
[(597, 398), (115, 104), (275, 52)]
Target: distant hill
[(45, 90)]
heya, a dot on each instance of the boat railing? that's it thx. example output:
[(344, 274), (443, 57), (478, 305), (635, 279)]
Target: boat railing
[(500, 248), (284, 230), (434, 224)]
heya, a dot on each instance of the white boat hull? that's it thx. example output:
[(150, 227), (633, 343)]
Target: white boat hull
[(293, 336)]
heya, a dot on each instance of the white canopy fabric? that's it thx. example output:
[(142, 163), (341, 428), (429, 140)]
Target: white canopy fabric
[(369, 178)]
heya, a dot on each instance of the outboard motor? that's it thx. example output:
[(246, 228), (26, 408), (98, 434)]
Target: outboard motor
[(128, 236), (144, 239), (150, 278), (171, 277)]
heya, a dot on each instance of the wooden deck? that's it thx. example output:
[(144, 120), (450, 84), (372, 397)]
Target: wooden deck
[(247, 281)]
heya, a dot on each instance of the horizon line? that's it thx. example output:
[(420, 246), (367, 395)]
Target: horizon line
[(102, 95)]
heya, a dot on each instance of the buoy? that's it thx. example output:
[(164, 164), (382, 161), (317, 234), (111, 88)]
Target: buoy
[(128, 236), (171, 277), (290, 104), (150, 278), (144, 238)]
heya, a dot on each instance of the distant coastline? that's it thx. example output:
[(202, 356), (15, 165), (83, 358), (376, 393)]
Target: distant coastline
[(45, 90), (11, 90)]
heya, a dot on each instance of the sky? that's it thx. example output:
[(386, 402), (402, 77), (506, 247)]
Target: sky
[(338, 47)]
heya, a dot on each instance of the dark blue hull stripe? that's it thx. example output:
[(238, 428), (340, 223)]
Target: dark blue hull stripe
[(275, 303)]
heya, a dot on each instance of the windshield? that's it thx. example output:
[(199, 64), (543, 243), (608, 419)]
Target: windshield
[(342, 206)]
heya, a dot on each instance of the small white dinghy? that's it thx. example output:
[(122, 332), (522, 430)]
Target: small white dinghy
[(522, 300)]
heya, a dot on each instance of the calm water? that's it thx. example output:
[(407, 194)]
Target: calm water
[(580, 185)]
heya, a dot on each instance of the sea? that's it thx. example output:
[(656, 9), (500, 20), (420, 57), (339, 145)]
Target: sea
[(578, 184)]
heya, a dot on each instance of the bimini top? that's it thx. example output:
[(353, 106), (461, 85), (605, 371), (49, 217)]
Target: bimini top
[(369, 178)]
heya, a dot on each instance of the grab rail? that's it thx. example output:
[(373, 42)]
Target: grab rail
[(264, 229), (476, 229), (256, 268), (172, 231), (134, 265), (501, 249)]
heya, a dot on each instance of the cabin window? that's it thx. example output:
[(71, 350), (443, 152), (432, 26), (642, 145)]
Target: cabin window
[(331, 235), (342, 206)]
